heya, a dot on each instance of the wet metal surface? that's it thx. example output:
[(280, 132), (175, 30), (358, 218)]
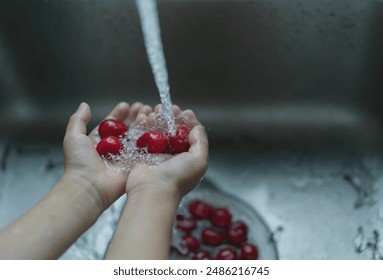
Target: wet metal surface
[(290, 94), (303, 196), (307, 69)]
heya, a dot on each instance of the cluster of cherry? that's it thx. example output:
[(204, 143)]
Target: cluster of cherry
[(154, 142), (211, 233)]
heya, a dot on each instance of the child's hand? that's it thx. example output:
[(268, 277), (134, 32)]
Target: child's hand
[(178, 175), (84, 166), (154, 193)]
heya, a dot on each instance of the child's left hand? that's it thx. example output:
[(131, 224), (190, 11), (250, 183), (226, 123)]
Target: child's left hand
[(84, 166)]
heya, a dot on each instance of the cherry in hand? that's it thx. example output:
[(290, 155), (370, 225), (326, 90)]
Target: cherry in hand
[(111, 127), (154, 142), (179, 142), (110, 145)]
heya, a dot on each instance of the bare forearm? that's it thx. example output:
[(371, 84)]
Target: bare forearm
[(52, 225), (145, 227)]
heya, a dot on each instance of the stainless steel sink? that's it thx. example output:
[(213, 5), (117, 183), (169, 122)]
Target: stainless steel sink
[(290, 93)]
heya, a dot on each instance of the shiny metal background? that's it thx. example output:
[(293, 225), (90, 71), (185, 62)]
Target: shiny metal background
[(290, 93)]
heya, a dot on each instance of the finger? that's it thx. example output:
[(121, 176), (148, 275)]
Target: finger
[(158, 109), (176, 110), (151, 120), (78, 121), (141, 118), (199, 144), (133, 112), (190, 118), (146, 109), (120, 112)]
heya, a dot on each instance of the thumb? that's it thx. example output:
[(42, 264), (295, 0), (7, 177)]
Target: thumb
[(78, 121)]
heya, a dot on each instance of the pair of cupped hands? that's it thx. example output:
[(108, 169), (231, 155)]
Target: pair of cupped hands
[(84, 167)]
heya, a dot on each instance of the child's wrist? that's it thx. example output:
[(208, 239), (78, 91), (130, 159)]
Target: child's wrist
[(76, 188), (157, 192)]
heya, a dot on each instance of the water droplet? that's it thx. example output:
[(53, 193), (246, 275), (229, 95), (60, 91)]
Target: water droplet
[(131, 155)]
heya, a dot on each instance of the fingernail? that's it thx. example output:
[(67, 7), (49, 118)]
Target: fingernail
[(82, 106), (123, 104)]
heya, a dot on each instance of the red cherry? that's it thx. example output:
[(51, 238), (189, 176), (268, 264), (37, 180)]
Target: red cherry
[(249, 252), (239, 225), (191, 243), (199, 209), (202, 255), (220, 217), (237, 232), (109, 145), (154, 141), (236, 236), (179, 142), (212, 237), (185, 224), (226, 254), (112, 127)]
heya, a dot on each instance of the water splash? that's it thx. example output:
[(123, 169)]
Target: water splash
[(147, 10), (130, 155), (165, 122)]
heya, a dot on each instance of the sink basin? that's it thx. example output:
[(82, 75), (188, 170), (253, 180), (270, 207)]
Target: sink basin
[(296, 71), (289, 92), (320, 203)]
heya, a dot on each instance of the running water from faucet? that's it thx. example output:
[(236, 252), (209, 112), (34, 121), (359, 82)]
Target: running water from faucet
[(164, 122), (147, 10)]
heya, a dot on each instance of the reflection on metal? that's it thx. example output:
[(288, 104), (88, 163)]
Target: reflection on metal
[(365, 191), (373, 244), (296, 71), (17, 102)]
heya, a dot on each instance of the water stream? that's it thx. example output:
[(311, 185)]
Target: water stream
[(147, 10)]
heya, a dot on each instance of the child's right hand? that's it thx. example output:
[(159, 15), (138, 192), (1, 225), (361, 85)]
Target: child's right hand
[(178, 175), (154, 192)]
